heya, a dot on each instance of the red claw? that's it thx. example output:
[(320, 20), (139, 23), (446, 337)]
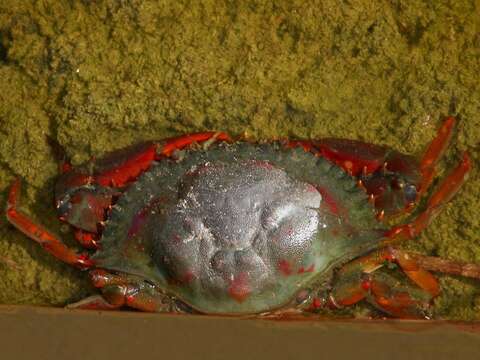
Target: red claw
[(128, 170), (39, 234)]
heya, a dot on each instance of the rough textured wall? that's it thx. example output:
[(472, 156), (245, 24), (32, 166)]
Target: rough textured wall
[(95, 76)]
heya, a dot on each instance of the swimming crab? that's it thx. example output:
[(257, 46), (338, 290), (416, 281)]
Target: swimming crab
[(206, 224)]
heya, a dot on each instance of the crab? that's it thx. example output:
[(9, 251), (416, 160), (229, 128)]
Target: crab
[(206, 224)]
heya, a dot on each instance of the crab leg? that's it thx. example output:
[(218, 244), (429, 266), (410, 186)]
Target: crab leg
[(42, 236), (122, 166), (181, 142), (354, 156), (357, 157), (116, 296), (437, 264), (93, 302), (434, 152), (120, 290), (358, 280), (392, 179), (442, 195), (377, 259)]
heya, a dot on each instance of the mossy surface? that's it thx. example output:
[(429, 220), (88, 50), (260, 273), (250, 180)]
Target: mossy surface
[(96, 76)]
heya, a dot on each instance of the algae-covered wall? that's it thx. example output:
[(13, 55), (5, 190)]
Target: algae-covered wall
[(94, 76)]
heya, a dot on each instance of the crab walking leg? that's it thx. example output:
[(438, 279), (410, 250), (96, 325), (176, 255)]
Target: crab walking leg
[(181, 142), (389, 295), (132, 295), (120, 290), (354, 156), (94, 302), (434, 152), (358, 280), (442, 195), (42, 236), (119, 167), (436, 264)]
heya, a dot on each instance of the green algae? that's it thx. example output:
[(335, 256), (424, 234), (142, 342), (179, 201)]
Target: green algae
[(96, 76)]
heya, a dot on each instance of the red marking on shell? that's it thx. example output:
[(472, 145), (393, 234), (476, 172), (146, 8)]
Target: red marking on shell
[(188, 277), (306, 270), (129, 170), (285, 267), (239, 288), (137, 223), (329, 200), (140, 217)]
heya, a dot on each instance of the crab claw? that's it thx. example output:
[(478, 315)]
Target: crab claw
[(46, 239)]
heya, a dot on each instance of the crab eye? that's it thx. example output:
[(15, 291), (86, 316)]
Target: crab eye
[(410, 192)]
